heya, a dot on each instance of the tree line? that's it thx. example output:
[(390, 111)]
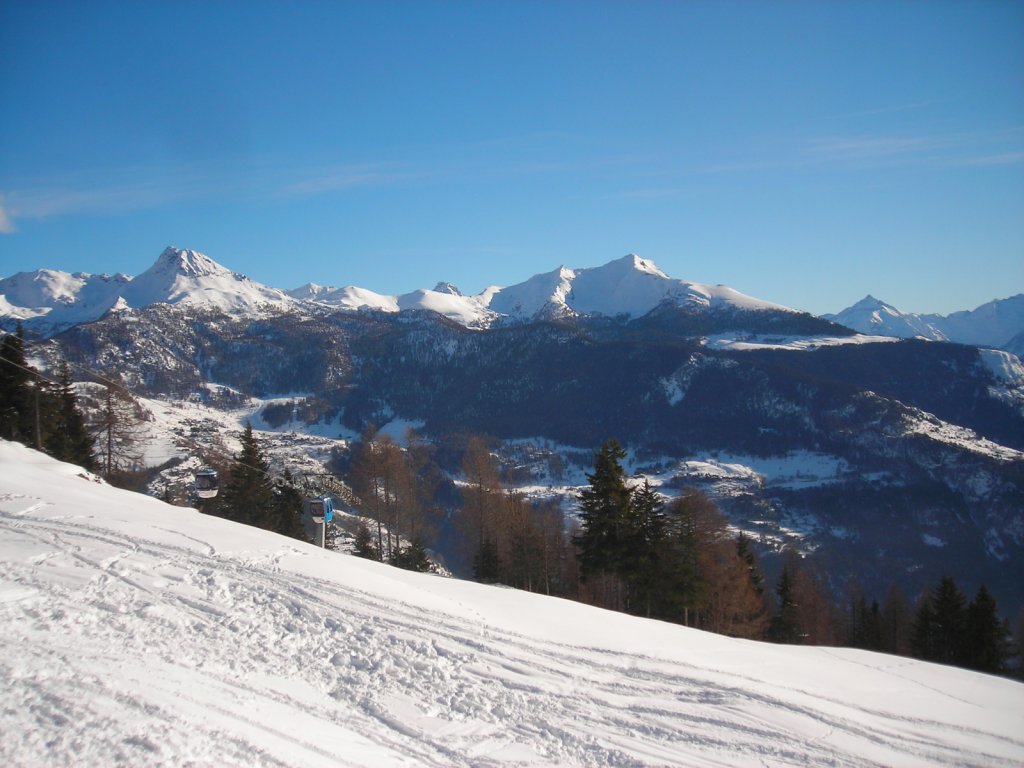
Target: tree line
[(41, 412), (630, 550)]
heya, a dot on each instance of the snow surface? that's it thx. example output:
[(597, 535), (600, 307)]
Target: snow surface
[(752, 342), (349, 298), (795, 469), (135, 633)]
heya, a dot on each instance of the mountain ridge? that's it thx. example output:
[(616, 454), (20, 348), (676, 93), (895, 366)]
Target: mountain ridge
[(995, 324), (628, 287), (48, 301)]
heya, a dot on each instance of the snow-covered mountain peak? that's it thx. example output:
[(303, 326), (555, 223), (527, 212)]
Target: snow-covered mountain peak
[(634, 262), (994, 324), (187, 262), (875, 317), (52, 299), (448, 288), (182, 276)]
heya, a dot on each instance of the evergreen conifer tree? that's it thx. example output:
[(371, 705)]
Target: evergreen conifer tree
[(288, 509), (746, 552), (785, 624), (988, 637), (604, 515), (412, 557), (67, 438), (940, 627), (896, 618), (685, 586), (363, 545), (16, 406), (248, 496), (645, 532), (487, 563)]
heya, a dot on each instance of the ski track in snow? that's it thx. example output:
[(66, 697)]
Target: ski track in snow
[(161, 647)]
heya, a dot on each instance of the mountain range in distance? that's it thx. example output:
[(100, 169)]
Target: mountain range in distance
[(921, 441), (47, 301)]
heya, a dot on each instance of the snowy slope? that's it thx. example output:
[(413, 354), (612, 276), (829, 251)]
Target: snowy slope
[(350, 297), (993, 324), (140, 634)]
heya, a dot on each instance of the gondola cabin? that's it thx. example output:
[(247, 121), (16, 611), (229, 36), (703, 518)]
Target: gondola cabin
[(206, 484), (321, 510)]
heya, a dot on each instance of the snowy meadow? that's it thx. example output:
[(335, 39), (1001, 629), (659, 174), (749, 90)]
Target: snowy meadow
[(137, 633)]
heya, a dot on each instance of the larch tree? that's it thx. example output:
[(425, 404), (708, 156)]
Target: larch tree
[(482, 499), (115, 426)]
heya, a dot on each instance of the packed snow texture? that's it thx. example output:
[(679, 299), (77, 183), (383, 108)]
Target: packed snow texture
[(135, 633)]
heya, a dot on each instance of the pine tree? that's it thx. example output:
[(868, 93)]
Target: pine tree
[(287, 516), (248, 496), (16, 396), (950, 613), (746, 553), (363, 545), (641, 566), (988, 637), (864, 622), (685, 586), (785, 625), (896, 619), (487, 563), (412, 557), (67, 438), (940, 627), (604, 515)]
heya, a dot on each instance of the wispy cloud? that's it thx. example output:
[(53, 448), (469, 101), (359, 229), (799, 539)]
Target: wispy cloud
[(6, 221), (873, 151), (132, 189), (872, 147)]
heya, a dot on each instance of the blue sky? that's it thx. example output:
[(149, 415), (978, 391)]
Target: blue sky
[(805, 153)]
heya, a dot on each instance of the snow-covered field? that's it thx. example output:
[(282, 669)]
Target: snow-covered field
[(135, 633)]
